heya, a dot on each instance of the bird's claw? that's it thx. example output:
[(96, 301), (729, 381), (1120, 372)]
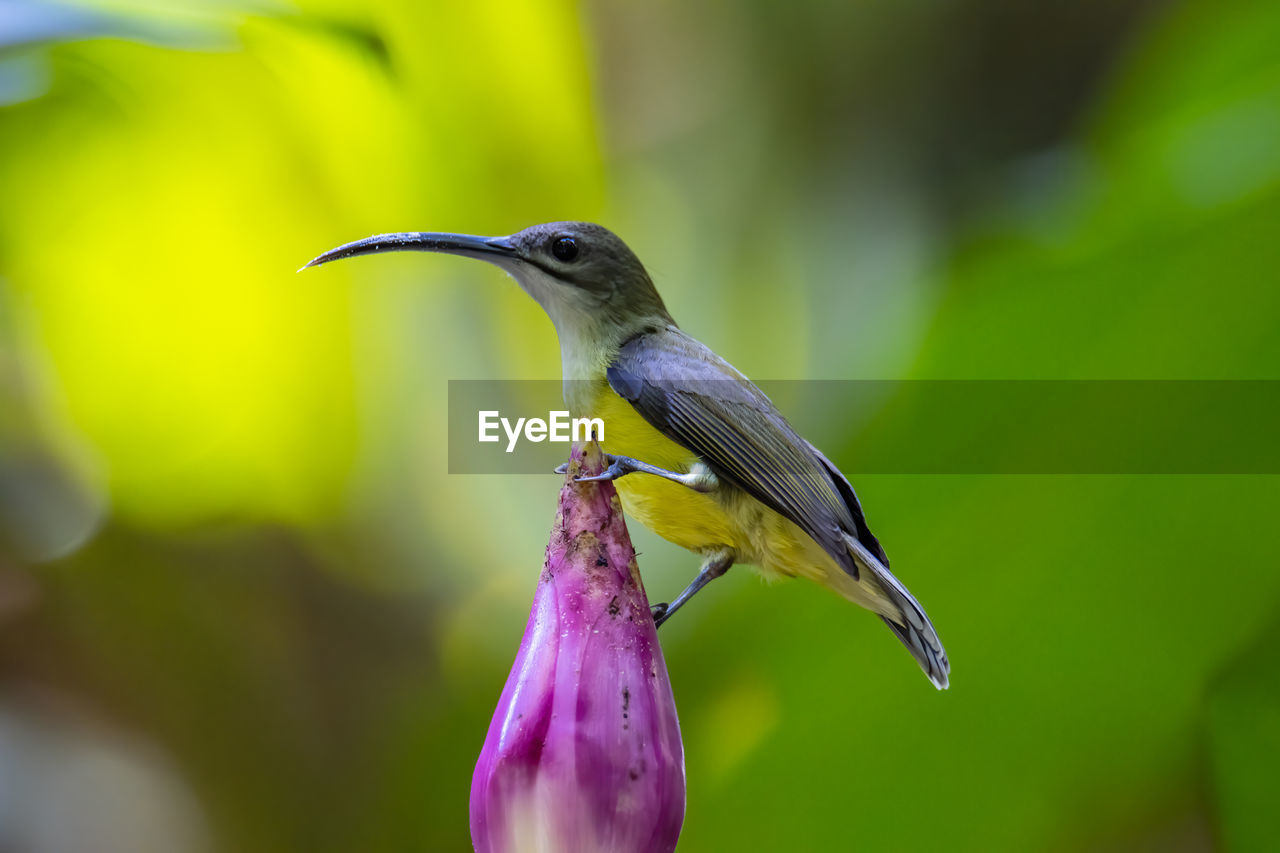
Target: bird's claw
[(659, 612), (615, 470), (562, 468)]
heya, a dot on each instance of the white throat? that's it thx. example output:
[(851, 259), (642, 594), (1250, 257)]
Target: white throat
[(584, 332)]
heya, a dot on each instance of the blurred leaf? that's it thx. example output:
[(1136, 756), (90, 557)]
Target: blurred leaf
[(169, 196)]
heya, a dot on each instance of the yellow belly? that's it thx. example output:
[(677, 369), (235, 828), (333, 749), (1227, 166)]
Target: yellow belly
[(704, 522), (676, 513)]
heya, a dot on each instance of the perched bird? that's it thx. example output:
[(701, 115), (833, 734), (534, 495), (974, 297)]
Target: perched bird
[(714, 467)]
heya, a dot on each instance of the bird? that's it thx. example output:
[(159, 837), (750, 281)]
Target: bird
[(698, 453)]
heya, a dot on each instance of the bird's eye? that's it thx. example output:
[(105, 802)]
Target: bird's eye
[(564, 248)]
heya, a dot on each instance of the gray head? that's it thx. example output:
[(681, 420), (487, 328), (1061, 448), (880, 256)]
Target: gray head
[(583, 275)]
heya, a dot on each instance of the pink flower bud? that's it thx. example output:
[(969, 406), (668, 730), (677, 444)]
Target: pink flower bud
[(584, 751)]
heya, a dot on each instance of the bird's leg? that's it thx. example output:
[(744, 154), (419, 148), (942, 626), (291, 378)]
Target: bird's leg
[(715, 565), (700, 478)]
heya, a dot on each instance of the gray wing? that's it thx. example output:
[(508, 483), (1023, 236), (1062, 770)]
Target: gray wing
[(698, 400), (701, 402)]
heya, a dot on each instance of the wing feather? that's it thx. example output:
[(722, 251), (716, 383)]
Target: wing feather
[(699, 401)]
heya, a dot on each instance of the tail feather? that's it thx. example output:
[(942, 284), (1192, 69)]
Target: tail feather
[(875, 587), (931, 656), (910, 623)]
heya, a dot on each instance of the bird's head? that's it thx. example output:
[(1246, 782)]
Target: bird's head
[(586, 279)]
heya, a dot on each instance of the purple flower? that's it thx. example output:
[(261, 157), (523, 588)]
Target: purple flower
[(584, 751)]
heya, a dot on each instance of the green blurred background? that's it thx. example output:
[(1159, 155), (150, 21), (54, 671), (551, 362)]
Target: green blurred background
[(242, 604)]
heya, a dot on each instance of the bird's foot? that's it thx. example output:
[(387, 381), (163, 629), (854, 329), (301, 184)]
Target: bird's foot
[(700, 479), (562, 468), (619, 466), (716, 564)]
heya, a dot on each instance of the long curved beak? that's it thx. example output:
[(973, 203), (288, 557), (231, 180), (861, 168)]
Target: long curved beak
[(493, 249)]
